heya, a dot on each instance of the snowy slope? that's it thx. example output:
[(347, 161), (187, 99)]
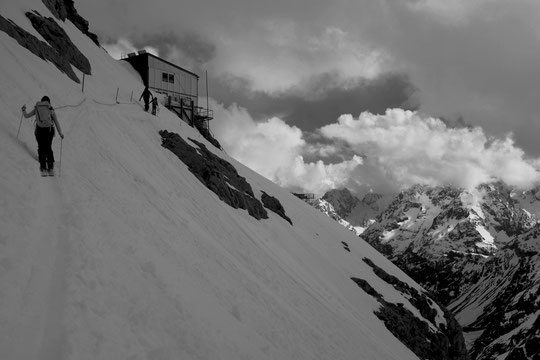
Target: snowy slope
[(127, 255)]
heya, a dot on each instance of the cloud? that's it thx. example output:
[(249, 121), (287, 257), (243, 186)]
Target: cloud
[(322, 99), (304, 63), (121, 47), (275, 150), (383, 153), (408, 148), (189, 49), (478, 59)]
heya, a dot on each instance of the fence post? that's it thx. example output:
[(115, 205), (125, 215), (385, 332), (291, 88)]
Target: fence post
[(117, 89), (83, 77), (131, 98), (20, 123)]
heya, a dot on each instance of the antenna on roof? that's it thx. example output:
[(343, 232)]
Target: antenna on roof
[(207, 107)]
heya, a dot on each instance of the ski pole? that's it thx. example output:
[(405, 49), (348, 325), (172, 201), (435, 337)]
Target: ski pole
[(20, 123), (60, 163)]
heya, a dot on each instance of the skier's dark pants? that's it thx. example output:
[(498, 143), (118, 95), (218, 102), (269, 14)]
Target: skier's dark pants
[(146, 106), (44, 137)]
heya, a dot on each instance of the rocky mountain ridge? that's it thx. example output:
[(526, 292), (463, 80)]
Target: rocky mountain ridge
[(327, 208), (500, 310), (355, 211), (476, 251)]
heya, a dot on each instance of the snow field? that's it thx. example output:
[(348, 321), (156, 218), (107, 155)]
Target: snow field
[(127, 256)]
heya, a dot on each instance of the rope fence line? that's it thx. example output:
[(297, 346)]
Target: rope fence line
[(114, 104), (100, 103), (71, 106)]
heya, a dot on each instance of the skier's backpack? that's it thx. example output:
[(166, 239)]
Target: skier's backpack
[(44, 113)]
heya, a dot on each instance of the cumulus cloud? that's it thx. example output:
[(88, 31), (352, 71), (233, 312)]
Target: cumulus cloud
[(409, 148), (478, 59), (276, 150), (474, 63), (384, 153)]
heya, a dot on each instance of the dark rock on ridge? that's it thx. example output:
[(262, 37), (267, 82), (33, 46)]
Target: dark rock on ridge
[(65, 9), (60, 41), (273, 204), (215, 173), (445, 344), (37, 47)]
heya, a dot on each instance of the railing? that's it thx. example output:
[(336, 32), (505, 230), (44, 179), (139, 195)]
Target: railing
[(204, 113)]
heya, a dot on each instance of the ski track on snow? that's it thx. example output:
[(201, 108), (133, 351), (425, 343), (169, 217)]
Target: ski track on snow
[(39, 331)]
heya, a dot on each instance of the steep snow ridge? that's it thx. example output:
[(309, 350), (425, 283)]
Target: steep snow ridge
[(327, 208), (127, 255)]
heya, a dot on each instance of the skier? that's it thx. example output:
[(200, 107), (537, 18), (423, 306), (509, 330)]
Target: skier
[(146, 94), (154, 105), (46, 121)]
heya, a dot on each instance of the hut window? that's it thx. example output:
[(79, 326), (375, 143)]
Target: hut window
[(168, 78)]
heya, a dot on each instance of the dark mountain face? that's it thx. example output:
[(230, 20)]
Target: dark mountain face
[(477, 252), (507, 295), (355, 211), (342, 201)]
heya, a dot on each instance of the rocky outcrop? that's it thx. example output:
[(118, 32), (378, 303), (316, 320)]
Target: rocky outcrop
[(274, 205), (342, 201), (60, 41), (38, 47), (65, 9), (446, 343), (215, 173), (199, 124)]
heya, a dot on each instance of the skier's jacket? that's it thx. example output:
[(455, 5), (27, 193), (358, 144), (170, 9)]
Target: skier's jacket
[(45, 116)]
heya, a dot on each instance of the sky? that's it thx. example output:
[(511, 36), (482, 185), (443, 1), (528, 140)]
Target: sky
[(301, 89)]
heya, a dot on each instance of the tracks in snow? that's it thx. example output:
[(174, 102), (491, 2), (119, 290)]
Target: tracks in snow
[(39, 332)]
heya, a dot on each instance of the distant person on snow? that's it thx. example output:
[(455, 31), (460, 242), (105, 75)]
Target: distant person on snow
[(154, 105), (46, 121), (146, 94)]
